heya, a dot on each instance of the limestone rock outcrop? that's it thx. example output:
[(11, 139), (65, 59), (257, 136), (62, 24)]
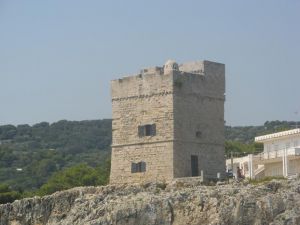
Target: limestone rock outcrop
[(179, 203)]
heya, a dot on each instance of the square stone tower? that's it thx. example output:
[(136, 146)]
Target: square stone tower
[(168, 122)]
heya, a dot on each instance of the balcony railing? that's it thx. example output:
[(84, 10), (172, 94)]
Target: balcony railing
[(278, 153)]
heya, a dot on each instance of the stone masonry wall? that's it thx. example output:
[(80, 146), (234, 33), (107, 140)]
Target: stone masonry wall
[(140, 100), (187, 106), (199, 119), (210, 159), (158, 158)]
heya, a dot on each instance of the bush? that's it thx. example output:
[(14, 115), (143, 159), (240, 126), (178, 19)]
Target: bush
[(7, 195), (265, 180), (79, 175)]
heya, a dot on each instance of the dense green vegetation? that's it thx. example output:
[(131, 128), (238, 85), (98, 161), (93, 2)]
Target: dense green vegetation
[(238, 149), (79, 175), (240, 139), (29, 155), (44, 158), (7, 194), (246, 134)]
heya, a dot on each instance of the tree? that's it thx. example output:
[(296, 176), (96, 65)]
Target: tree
[(79, 175), (7, 195), (240, 149), (7, 132)]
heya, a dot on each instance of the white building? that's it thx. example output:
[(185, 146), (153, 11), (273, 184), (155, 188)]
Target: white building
[(280, 157)]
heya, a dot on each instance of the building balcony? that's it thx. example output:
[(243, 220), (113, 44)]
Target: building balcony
[(275, 156)]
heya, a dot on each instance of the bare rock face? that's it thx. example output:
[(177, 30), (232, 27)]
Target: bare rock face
[(273, 203)]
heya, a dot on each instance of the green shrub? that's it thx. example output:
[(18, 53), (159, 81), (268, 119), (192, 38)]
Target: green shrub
[(79, 175), (7, 195), (265, 180)]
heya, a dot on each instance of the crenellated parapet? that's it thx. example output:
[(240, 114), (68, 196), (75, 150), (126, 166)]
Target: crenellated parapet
[(168, 122)]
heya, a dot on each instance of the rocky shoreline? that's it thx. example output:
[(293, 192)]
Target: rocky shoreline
[(275, 203)]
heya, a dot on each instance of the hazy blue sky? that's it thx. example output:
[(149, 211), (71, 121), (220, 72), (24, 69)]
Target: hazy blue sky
[(57, 57)]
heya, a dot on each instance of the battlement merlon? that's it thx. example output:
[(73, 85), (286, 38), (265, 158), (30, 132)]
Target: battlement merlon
[(158, 80), (212, 81)]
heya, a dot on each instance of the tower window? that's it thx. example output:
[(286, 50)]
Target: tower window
[(138, 167), (198, 134), (147, 130)]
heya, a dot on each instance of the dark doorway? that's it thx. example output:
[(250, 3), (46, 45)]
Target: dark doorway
[(194, 165)]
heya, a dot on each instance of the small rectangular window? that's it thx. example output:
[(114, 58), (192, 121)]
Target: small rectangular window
[(143, 166), (147, 130), (141, 131), (138, 167), (198, 134), (153, 130), (133, 167)]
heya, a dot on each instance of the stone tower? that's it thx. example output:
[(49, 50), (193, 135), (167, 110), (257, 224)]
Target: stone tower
[(168, 122)]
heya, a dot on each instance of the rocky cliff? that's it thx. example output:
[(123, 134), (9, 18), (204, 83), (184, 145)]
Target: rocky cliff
[(179, 203)]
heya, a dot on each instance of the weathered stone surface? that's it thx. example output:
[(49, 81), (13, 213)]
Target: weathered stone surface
[(178, 203), (186, 104)]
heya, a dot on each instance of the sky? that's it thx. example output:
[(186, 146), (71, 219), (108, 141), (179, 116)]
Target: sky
[(57, 57)]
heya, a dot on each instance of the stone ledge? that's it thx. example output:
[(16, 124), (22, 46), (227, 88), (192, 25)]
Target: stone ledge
[(171, 140), (142, 96)]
